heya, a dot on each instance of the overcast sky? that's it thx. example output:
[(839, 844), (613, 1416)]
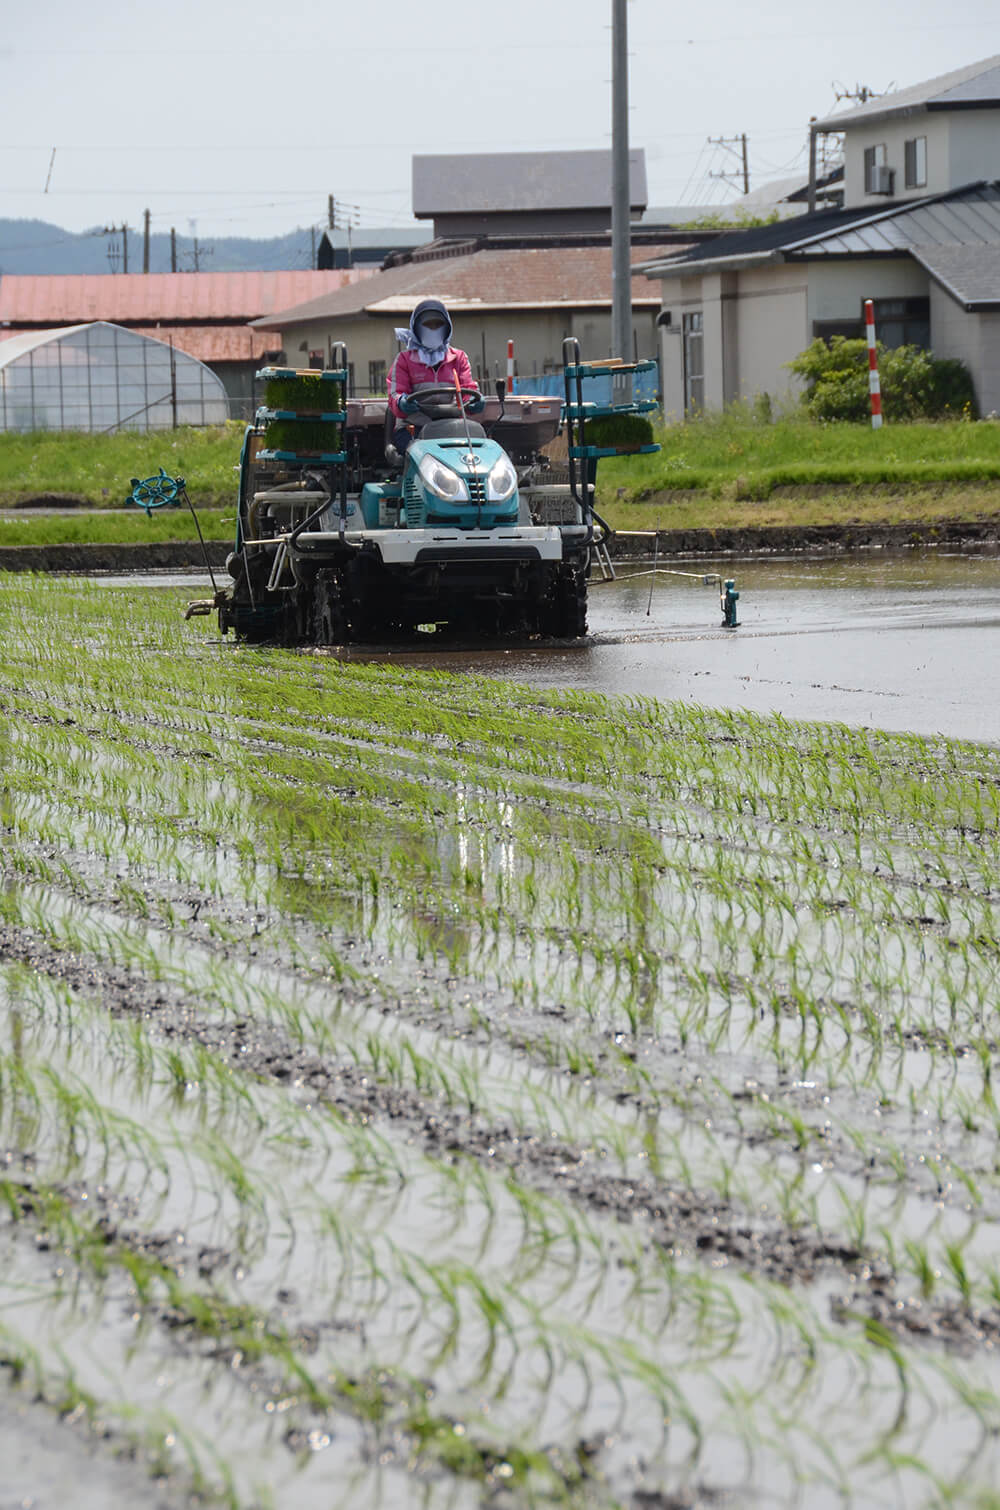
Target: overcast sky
[(242, 120)]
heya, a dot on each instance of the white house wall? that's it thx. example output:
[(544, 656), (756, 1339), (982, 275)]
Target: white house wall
[(893, 134), (973, 146), (772, 330), (754, 323), (988, 387), (963, 146), (838, 289), (971, 337)]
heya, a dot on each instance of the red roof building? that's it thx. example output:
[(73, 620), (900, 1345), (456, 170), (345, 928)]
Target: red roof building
[(206, 315)]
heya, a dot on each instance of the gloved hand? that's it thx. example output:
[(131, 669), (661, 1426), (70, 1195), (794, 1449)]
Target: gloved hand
[(408, 403), (475, 405)]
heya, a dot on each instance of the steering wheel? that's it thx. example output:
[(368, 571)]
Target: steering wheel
[(437, 394)]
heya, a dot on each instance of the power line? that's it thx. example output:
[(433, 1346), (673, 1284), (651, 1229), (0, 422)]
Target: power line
[(727, 144)]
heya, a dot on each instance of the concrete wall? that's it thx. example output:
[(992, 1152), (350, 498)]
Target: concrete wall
[(773, 328), (973, 146), (526, 222), (837, 289), (755, 322), (892, 134), (963, 146), (974, 338), (679, 296), (537, 337), (988, 373)]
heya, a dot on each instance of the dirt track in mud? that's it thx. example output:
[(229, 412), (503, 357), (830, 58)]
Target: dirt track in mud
[(648, 1070)]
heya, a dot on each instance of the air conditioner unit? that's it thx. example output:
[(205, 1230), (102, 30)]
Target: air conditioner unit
[(883, 179)]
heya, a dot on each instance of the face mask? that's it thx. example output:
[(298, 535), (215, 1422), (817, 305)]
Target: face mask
[(430, 338)]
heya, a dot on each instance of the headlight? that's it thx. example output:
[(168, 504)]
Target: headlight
[(501, 482), (442, 481)]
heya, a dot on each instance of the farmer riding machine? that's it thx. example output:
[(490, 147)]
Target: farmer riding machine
[(339, 538)]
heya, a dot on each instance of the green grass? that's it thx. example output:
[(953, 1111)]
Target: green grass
[(720, 472), (96, 469), (793, 508), (736, 459), (120, 526)]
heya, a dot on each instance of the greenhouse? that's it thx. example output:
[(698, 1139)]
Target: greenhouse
[(103, 377)]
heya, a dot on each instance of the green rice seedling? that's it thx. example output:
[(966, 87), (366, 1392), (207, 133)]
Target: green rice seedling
[(956, 1263)]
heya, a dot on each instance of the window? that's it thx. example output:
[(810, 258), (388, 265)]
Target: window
[(915, 162), (878, 176), (694, 362), (902, 322), (376, 377)]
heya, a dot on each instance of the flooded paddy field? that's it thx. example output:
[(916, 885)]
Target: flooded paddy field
[(421, 1088), (902, 640)]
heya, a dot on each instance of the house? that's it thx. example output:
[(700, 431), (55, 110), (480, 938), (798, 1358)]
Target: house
[(368, 248), (208, 316), (533, 295), (506, 193), (923, 140), (736, 310)]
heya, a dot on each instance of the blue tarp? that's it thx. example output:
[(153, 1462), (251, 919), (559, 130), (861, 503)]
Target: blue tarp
[(596, 390)]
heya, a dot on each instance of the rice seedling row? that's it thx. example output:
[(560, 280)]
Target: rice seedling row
[(676, 1014)]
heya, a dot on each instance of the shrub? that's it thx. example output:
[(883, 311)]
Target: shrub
[(915, 384)]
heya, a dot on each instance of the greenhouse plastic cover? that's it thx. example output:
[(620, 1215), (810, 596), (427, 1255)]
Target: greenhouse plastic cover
[(103, 377)]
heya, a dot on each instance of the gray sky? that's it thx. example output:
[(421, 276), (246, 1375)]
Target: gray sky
[(240, 121)]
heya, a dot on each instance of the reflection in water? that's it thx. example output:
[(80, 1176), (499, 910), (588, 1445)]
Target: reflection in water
[(904, 641)]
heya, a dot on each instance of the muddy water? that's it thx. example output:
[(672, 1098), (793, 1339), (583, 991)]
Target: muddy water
[(905, 642)]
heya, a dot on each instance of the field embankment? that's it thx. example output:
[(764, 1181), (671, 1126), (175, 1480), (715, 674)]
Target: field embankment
[(422, 1090)]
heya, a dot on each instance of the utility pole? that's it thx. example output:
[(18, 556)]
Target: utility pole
[(621, 261), (331, 212), (811, 203), (197, 253), (730, 143), (173, 250), (116, 230), (145, 241)]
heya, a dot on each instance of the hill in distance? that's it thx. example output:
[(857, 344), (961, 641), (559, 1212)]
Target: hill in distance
[(36, 246)]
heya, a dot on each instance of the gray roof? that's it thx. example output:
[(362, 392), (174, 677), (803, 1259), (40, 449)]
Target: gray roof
[(970, 217), (511, 181), (397, 237), (960, 217), (970, 274), (977, 84)]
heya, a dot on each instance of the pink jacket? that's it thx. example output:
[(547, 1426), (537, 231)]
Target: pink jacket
[(408, 372)]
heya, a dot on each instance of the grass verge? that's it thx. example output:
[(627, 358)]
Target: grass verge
[(121, 526), (800, 508), (95, 469), (726, 471)]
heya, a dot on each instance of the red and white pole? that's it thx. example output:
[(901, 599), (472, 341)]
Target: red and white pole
[(510, 366), (874, 387)]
